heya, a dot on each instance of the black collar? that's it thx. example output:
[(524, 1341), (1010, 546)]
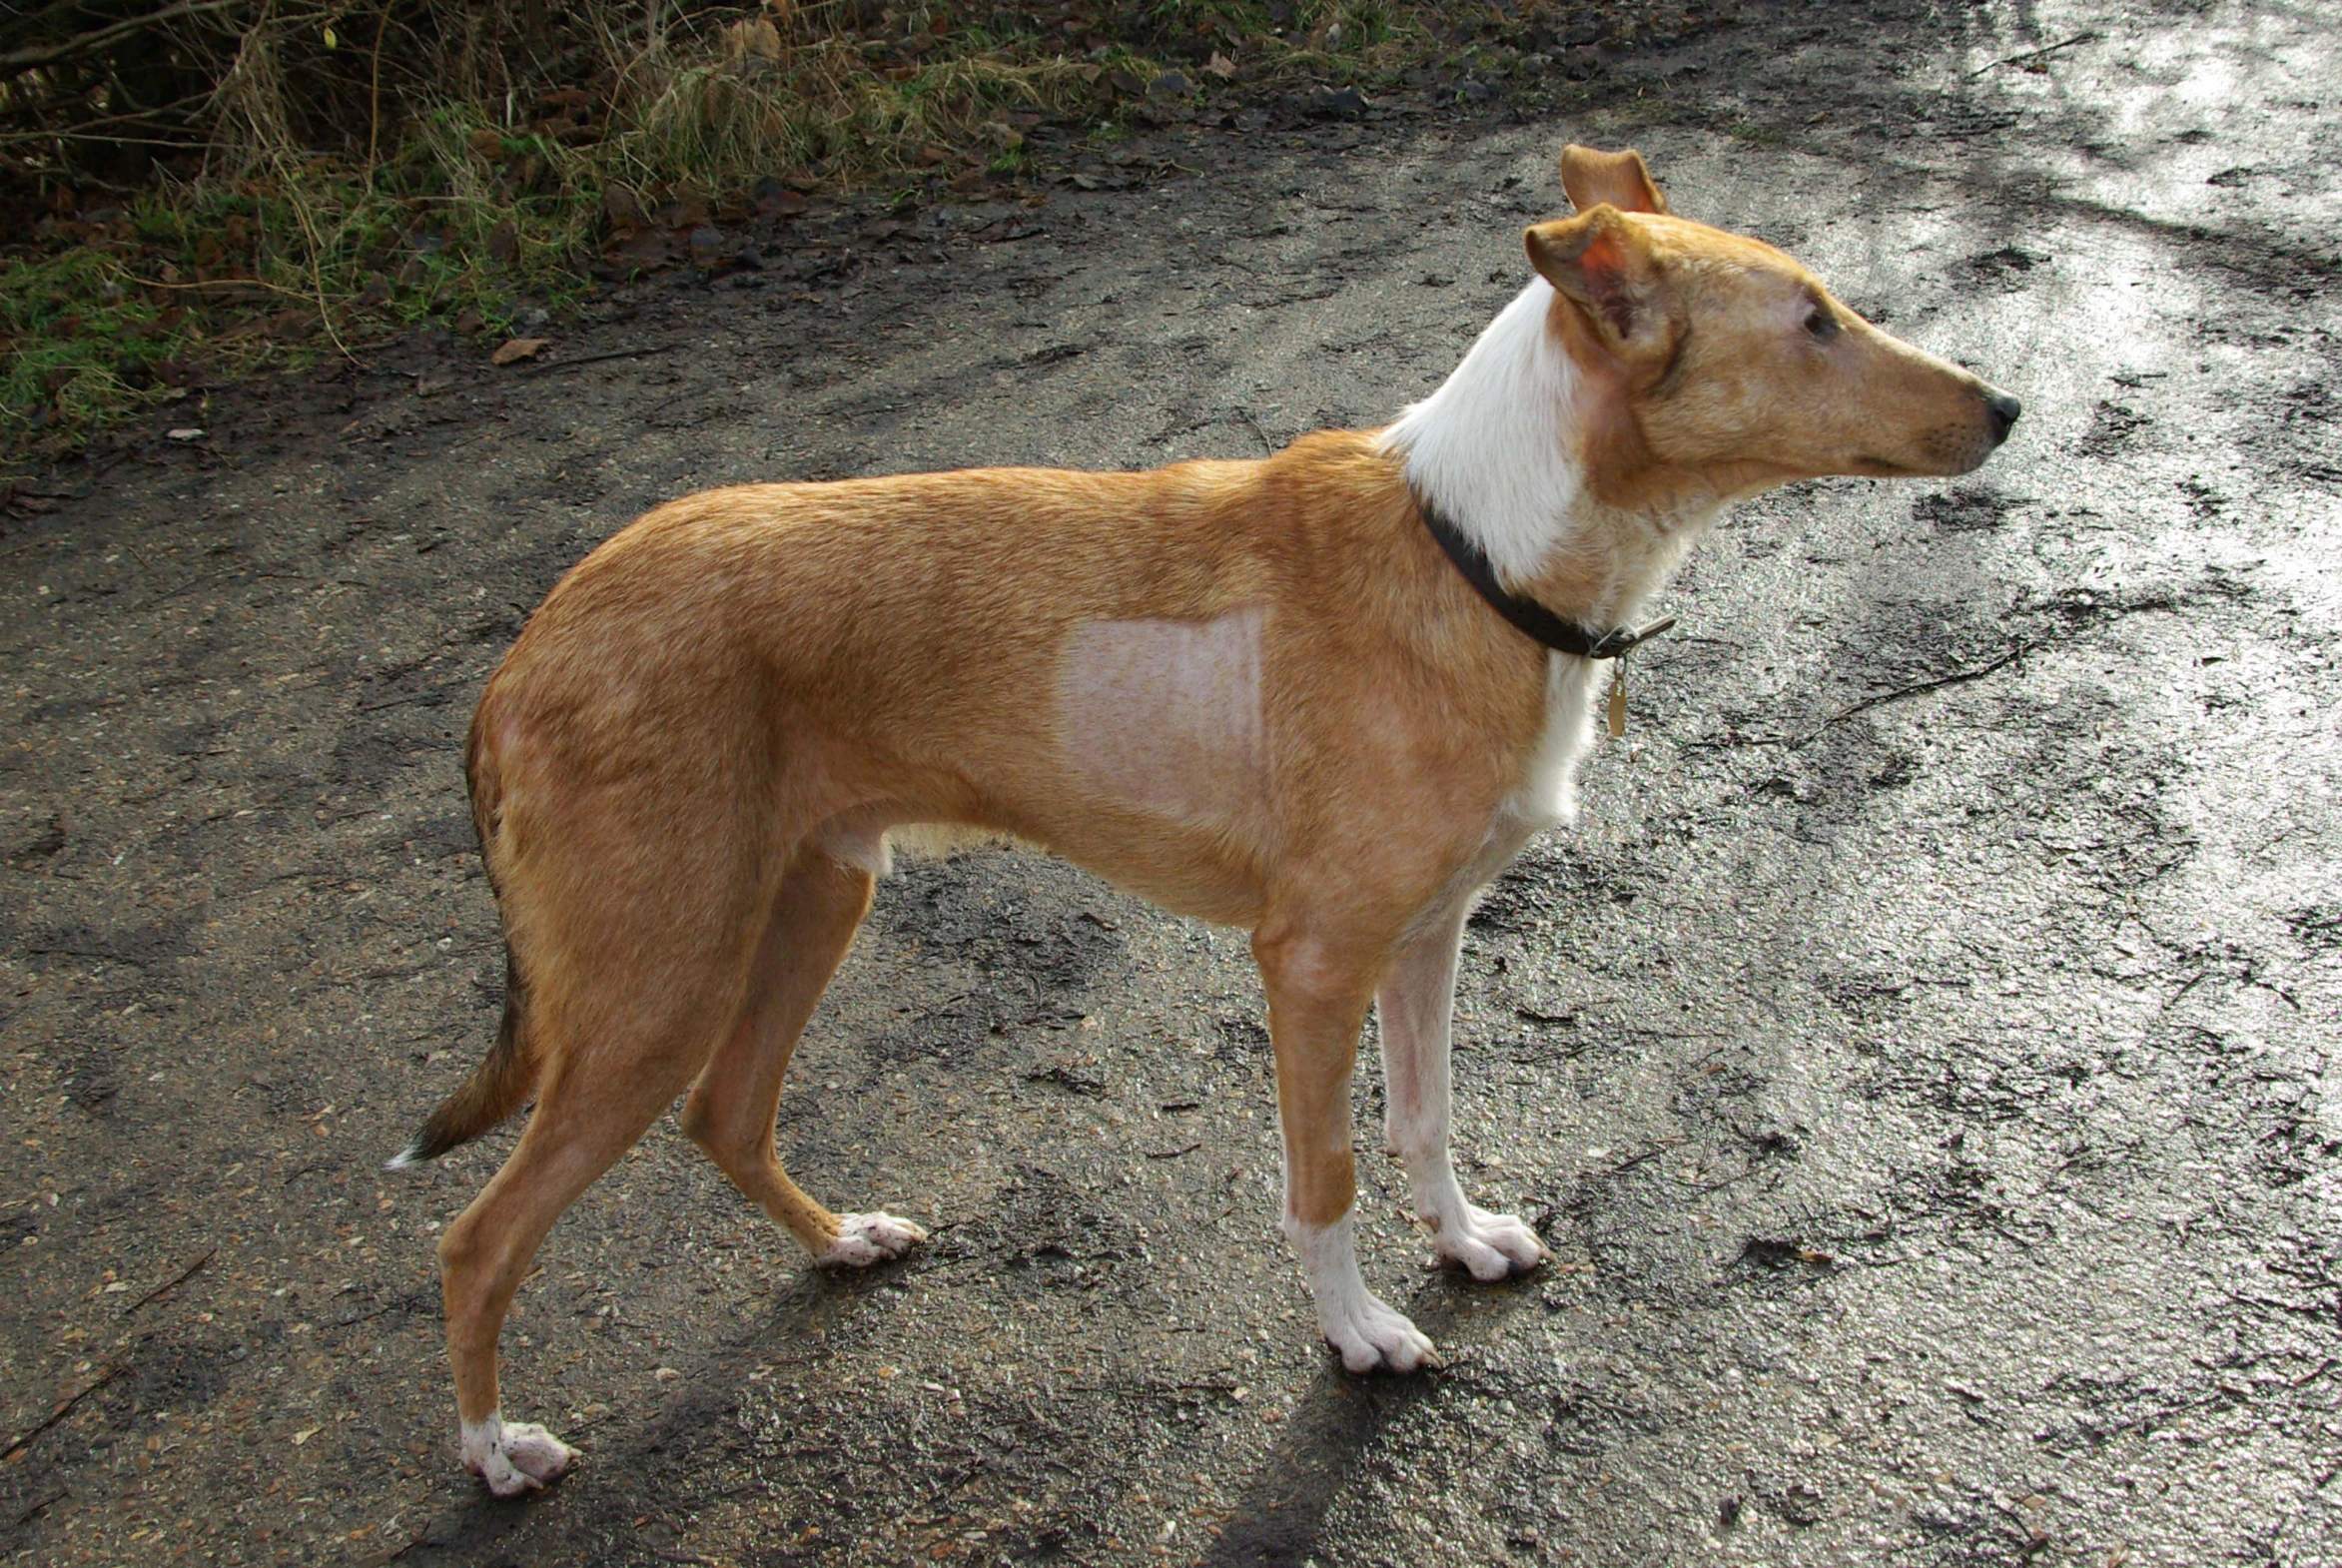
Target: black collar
[(1529, 617)]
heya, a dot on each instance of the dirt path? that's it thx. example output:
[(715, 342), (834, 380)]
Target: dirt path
[(1919, 1059)]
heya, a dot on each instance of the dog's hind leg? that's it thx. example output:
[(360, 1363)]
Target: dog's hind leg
[(582, 1123), (1417, 1006), (815, 914)]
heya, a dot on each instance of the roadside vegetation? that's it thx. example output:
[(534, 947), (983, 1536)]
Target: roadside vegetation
[(191, 190)]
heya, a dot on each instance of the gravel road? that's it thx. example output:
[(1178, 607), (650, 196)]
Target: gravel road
[(1919, 1059)]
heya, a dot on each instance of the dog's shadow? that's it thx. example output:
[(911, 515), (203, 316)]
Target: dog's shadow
[(591, 1511), (1279, 1521)]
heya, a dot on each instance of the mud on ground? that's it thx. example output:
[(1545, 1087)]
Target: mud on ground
[(1919, 1059)]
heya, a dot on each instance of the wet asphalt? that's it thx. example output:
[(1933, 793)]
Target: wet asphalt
[(1918, 1058)]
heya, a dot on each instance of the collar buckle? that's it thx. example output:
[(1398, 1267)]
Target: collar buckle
[(1622, 640)]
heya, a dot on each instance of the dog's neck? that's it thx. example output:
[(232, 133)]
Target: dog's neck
[(1496, 449)]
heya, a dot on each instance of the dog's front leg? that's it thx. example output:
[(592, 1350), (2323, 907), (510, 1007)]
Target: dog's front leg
[(1317, 996), (1417, 1005)]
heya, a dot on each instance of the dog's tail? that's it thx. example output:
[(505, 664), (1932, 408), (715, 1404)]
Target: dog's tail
[(504, 1080), (500, 1085)]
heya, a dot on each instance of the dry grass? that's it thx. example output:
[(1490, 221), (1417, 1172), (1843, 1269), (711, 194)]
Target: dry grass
[(722, 123), (351, 171)]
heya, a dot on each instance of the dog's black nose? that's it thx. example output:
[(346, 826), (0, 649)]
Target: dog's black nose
[(2002, 411)]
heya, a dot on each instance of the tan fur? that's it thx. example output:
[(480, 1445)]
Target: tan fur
[(707, 708)]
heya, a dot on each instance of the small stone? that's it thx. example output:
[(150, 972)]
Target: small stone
[(1337, 103)]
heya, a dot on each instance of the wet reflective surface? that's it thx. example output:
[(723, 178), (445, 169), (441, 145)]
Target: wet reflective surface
[(1918, 1058)]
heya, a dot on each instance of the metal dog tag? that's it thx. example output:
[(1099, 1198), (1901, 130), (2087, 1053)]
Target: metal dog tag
[(1618, 698)]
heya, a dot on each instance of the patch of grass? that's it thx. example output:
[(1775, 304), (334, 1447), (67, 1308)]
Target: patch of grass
[(323, 213), (830, 109), (217, 278), (54, 364)]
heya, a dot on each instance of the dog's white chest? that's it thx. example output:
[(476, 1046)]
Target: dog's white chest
[(1547, 794), (1166, 716)]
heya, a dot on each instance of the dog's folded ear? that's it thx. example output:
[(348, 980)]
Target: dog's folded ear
[(1603, 263), (1592, 178)]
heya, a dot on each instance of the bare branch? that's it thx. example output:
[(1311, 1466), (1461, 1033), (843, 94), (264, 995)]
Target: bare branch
[(18, 61)]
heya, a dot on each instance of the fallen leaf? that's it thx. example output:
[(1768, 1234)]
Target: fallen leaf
[(757, 39), (774, 200), (623, 208), (185, 432), (302, 1438), (647, 248), (1220, 64), (518, 349)]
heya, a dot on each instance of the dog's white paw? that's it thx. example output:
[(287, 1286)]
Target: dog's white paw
[(1489, 1245), (1356, 1324), (864, 1240), (1369, 1334), (517, 1457)]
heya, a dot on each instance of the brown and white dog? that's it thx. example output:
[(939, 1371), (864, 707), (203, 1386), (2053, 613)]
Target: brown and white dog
[(1259, 693)]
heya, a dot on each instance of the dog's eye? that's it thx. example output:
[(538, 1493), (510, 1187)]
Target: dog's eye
[(1822, 323)]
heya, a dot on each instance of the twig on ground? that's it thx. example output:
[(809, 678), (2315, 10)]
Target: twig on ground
[(408, 1302), (171, 593), (402, 702), (550, 365), (1646, 1156), (38, 1507), (106, 1375), (175, 1282), (2034, 54), (223, 287), (2015, 652), (1259, 434), (2194, 981)]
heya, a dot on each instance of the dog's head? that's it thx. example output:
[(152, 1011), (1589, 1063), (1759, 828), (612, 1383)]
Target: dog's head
[(1712, 363)]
